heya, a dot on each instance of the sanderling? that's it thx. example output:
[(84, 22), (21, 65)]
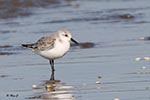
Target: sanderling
[(52, 47)]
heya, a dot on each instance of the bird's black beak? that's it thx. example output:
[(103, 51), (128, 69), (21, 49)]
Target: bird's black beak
[(74, 41)]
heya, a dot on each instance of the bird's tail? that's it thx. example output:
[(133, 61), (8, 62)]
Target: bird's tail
[(28, 45)]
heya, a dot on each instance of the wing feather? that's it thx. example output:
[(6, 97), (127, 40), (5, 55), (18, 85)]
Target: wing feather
[(45, 43)]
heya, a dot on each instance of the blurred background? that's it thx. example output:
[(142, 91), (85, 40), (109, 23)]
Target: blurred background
[(111, 62)]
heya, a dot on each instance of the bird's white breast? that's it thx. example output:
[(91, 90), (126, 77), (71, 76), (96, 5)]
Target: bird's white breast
[(60, 49)]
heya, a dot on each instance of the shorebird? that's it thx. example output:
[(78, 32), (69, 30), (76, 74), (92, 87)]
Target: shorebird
[(52, 47)]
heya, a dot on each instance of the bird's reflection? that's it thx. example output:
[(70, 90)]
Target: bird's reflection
[(55, 90)]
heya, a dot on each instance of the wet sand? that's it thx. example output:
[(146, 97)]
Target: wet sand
[(106, 65)]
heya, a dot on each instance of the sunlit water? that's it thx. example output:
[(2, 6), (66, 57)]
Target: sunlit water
[(107, 71)]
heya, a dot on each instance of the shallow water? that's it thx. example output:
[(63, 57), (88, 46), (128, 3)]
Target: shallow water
[(107, 70)]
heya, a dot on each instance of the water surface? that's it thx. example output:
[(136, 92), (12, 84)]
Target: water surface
[(106, 70)]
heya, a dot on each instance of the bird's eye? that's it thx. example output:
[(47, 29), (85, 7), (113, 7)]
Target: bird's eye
[(66, 35)]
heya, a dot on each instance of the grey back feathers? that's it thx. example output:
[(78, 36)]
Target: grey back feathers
[(45, 43)]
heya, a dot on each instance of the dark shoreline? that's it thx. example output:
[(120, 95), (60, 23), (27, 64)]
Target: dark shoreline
[(16, 8)]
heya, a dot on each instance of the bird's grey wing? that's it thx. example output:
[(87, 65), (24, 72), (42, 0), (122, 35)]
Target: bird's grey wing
[(45, 43)]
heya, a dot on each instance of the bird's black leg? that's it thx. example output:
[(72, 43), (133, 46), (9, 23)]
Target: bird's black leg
[(52, 68)]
